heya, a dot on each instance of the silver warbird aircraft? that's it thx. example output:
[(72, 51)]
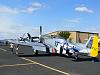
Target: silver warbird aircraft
[(59, 45), (41, 43), (88, 49), (46, 44)]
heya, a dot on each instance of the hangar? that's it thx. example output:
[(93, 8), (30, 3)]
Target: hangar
[(76, 36)]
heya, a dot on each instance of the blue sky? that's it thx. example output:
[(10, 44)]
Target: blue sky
[(21, 16)]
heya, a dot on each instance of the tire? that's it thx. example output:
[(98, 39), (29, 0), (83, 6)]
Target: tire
[(61, 50), (47, 50), (76, 57), (67, 52), (36, 52)]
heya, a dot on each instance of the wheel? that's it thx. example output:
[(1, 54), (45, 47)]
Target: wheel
[(47, 50), (67, 52), (36, 52), (76, 56), (61, 50)]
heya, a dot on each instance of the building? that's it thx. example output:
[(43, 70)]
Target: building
[(76, 36)]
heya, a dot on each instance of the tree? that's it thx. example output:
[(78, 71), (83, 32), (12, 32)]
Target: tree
[(64, 34)]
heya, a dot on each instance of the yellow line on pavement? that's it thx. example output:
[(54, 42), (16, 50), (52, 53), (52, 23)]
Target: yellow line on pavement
[(46, 66), (3, 49), (33, 62), (16, 65)]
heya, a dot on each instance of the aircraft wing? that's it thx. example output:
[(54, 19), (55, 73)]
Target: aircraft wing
[(18, 42), (35, 45)]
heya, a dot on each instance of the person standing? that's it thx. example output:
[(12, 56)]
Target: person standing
[(17, 48), (11, 47)]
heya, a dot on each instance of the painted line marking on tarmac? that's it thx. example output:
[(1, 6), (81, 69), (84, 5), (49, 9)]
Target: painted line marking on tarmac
[(33, 62), (16, 65), (3, 49), (46, 66)]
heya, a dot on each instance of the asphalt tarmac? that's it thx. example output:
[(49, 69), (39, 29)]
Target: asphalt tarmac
[(44, 64)]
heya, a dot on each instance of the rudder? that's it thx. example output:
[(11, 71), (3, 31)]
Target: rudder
[(94, 48)]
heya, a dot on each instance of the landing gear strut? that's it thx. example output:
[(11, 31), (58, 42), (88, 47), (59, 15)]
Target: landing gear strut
[(76, 56)]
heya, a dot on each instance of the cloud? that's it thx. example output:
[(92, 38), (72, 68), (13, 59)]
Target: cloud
[(93, 29), (28, 9), (83, 9), (72, 21), (15, 31), (33, 7), (5, 9), (10, 29), (36, 5)]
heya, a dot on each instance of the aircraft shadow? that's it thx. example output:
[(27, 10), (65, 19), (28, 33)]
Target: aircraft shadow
[(37, 55), (65, 56), (85, 59), (60, 55), (45, 55)]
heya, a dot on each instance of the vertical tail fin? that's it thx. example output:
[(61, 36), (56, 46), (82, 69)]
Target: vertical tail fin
[(94, 48), (89, 42)]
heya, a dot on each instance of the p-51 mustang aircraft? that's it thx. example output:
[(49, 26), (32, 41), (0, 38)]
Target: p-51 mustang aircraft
[(88, 49), (47, 45), (60, 46), (38, 43)]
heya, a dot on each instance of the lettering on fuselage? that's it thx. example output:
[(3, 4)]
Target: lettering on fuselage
[(94, 48)]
